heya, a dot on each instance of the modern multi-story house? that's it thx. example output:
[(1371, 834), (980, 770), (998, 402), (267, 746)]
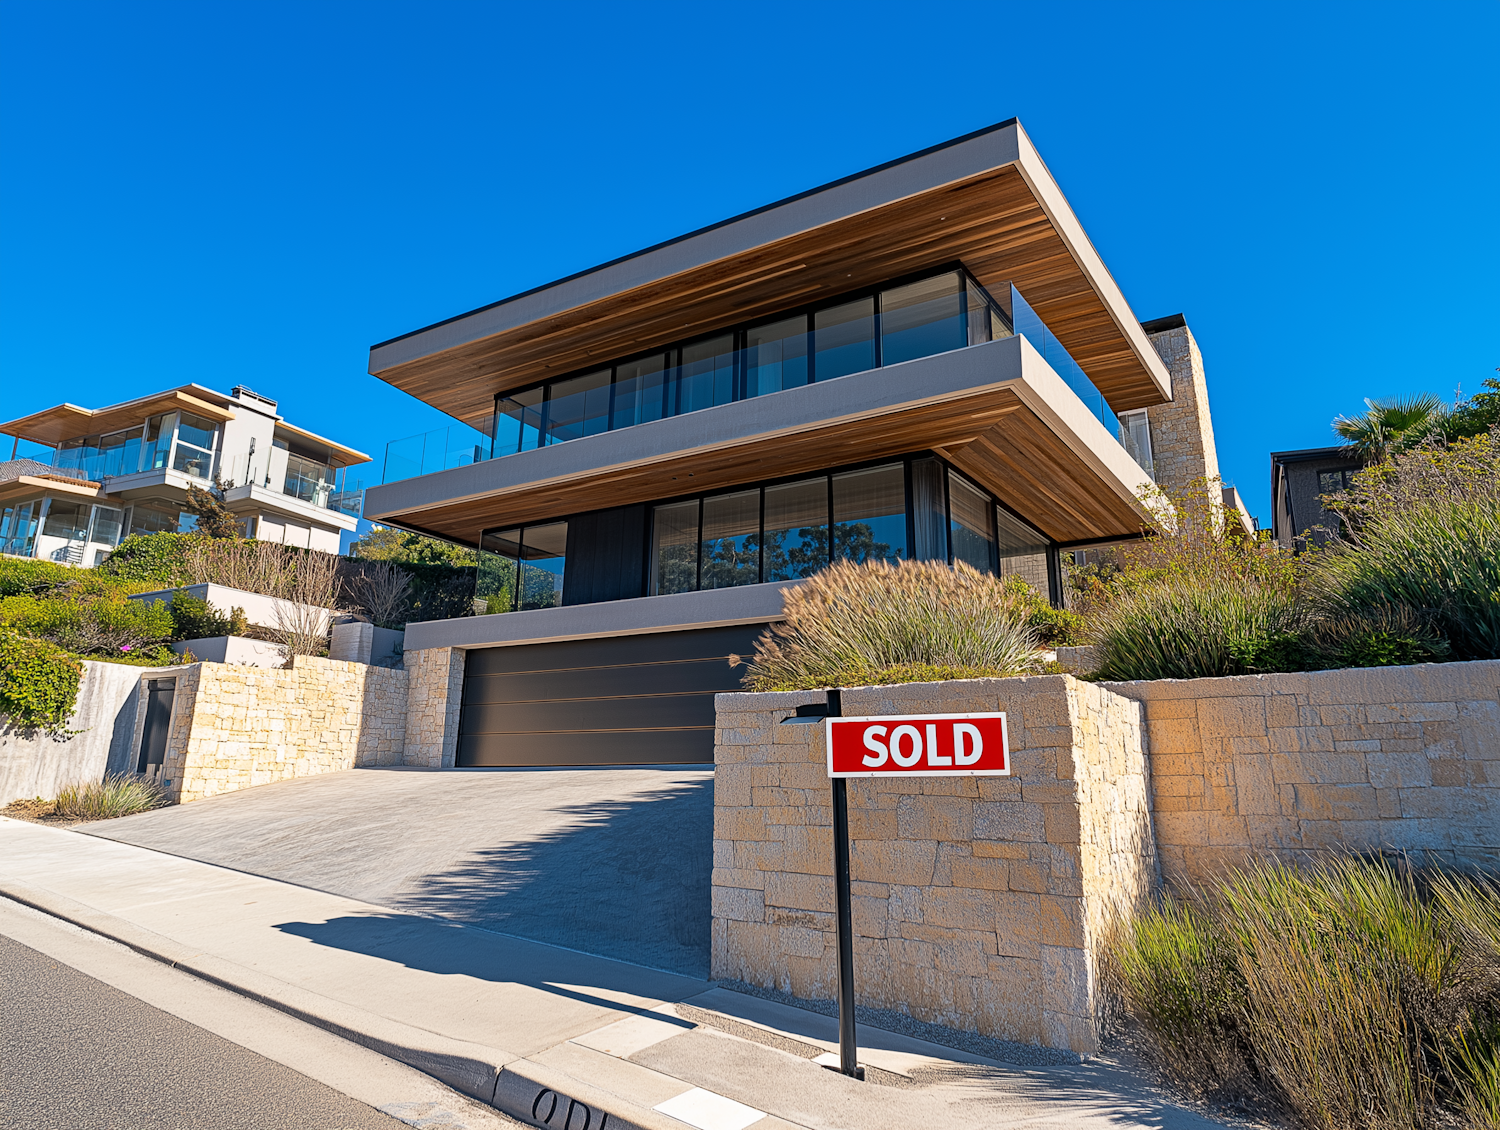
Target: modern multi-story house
[(126, 469), (1299, 479), (927, 360)]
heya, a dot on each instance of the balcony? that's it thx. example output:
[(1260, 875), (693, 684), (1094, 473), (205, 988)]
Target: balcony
[(933, 315)]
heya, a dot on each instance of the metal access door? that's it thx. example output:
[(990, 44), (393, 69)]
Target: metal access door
[(159, 695), (624, 700)]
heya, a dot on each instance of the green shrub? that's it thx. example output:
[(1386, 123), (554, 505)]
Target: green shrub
[(38, 683), (1441, 560), (157, 559), (193, 618), (24, 576), (105, 624), (863, 624), (119, 794), (1191, 628), (1349, 994)]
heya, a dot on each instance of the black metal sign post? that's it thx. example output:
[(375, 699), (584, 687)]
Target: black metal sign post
[(842, 900), (844, 912)]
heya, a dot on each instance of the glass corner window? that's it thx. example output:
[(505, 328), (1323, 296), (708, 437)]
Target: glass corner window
[(521, 568), (1135, 438)]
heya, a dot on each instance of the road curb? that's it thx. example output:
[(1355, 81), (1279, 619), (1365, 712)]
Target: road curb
[(525, 1090), (470, 1068)]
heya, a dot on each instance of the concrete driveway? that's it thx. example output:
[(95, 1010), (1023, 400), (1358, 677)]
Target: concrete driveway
[(612, 862)]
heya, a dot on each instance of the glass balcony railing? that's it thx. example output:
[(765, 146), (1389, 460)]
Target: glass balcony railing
[(1034, 330), (439, 450)]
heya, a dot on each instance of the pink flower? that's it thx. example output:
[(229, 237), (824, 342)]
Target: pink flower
[(126, 647)]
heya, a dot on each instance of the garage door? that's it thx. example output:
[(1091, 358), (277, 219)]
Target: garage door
[(624, 700)]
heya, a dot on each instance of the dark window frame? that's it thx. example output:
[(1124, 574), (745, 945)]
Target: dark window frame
[(672, 351)]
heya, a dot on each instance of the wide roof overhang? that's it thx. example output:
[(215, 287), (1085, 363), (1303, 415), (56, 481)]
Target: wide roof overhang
[(998, 412), (986, 200), (68, 421)]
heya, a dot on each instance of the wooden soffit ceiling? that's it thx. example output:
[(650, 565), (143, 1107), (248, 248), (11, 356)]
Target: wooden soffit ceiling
[(68, 421), (994, 435), (992, 222)]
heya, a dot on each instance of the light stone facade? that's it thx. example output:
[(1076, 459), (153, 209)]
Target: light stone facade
[(979, 902), (436, 696), (1368, 759), (1182, 430), (234, 727)]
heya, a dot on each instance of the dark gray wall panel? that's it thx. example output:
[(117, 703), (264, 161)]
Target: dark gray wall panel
[(606, 556), (617, 701)]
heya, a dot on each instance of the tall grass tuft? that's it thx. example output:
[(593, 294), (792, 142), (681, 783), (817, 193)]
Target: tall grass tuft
[(862, 624), (1195, 627), (119, 794), (1354, 993), (1439, 558)]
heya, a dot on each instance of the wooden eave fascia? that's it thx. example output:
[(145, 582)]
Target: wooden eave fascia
[(56, 425), (460, 374), (339, 455), (49, 484)]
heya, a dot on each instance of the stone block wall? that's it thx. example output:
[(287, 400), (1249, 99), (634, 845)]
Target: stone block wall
[(436, 696), (1371, 759), (235, 726), (1182, 430), (979, 902)]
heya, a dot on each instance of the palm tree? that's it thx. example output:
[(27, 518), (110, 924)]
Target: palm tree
[(1371, 435)]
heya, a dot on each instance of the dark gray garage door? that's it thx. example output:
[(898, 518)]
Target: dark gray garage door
[(626, 700)]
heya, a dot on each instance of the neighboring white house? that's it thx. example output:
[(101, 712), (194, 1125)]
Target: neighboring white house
[(126, 469)]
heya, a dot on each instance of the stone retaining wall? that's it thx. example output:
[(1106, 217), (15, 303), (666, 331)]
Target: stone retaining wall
[(235, 726), (1369, 759), (437, 687), (979, 902)]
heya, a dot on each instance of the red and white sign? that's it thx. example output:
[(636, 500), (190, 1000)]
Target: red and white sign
[(918, 745)]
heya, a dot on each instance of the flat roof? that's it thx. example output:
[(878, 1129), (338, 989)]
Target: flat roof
[(985, 199), (1307, 454)]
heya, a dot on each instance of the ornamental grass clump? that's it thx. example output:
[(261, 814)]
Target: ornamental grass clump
[(1351, 993), (119, 794), (872, 623)]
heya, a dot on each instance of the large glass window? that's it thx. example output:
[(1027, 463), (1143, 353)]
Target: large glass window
[(156, 516), (495, 583), (776, 356), (518, 421), (796, 529), (18, 528), (106, 525), (195, 446), (674, 548), (308, 480), (640, 391), (578, 407), (844, 339), (971, 529), (706, 376), (869, 514), (1023, 551), (730, 551), (158, 441), (922, 318), (66, 520), (522, 568), (1135, 437)]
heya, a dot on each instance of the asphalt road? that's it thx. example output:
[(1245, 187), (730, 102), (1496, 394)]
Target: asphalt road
[(75, 1052)]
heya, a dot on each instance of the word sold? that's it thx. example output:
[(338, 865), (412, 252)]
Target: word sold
[(931, 745)]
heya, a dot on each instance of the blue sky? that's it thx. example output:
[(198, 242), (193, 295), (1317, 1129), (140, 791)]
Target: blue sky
[(255, 193)]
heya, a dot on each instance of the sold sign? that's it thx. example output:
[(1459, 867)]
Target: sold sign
[(926, 745)]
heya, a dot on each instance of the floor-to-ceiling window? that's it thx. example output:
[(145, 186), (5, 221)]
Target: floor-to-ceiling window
[(851, 334)]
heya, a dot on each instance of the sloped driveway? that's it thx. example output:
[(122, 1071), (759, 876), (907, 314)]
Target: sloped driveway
[(612, 862)]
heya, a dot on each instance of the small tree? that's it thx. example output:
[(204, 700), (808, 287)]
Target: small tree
[(214, 516), (1373, 433)]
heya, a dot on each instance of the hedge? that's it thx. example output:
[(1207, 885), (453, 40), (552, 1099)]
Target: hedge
[(38, 684)]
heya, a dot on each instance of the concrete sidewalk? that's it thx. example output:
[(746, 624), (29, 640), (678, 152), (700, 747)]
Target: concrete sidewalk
[(550, 1036)]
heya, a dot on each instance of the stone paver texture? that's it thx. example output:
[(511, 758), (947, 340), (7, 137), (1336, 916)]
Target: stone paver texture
[(614, 862)]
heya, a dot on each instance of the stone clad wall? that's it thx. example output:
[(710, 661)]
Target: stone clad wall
[(437, 687), (1380, 758), (979, 902), (1182, 430), (234, 726)]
